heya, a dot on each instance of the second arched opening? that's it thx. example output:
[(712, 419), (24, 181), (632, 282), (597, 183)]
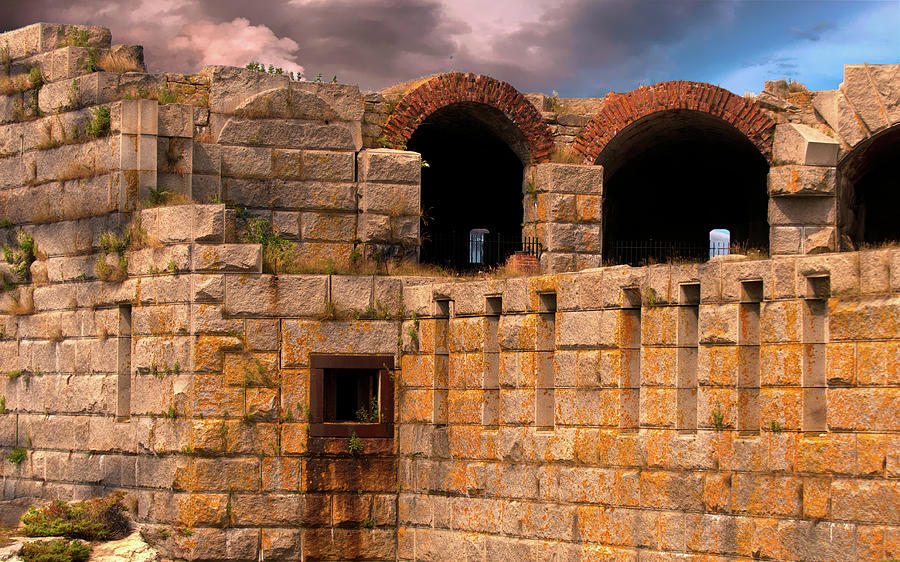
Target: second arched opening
[(672, 177)]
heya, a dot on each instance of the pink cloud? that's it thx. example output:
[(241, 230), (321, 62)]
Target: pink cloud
[(236, 43)]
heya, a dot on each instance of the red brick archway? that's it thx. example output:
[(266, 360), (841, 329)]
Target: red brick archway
[(445, 89), (621, 110)]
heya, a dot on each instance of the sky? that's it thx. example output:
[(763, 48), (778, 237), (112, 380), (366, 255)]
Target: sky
[(578, 48)]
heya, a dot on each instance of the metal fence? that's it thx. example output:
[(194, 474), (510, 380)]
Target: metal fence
[(642, 252), (475, 250)]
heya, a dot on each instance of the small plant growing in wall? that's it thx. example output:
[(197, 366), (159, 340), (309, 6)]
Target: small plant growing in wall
[(35, 78), (370, 414), (718, 419), (650, 296), (354, 444), (368, 523), (775, 426), (330, 311), (22, 258), (111, 243), (413, 331), (3, 405), (99, 125), (18, 455), (276, 250), (166, 96)]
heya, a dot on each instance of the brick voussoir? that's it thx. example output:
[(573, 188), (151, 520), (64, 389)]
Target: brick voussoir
[(445, 89), (620, 110)]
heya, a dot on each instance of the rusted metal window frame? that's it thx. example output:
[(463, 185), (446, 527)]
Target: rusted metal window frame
[(318, 427)]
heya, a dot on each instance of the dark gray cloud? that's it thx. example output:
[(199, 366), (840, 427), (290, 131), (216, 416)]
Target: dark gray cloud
[(813, 33), (579, 47)]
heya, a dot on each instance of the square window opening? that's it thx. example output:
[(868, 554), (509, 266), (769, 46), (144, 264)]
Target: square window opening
[(351, 395)]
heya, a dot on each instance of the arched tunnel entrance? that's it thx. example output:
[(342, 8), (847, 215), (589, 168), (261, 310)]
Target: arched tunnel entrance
[(473, 180), (670, 178), (870, 190)]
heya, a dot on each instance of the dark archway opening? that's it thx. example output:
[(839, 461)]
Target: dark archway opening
[(475, 157), (870, 190), (670, 178)]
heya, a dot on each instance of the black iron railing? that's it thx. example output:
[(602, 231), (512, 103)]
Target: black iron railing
[(463, 250), (642, 252)]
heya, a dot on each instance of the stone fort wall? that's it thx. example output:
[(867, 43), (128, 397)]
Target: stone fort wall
[(738, 408)]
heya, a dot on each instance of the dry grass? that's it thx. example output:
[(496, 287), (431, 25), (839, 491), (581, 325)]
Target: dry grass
[(119, 63), (18, 304), (76, 171), (795, 86), (53, 135), (565, 155), (14, 84), (883, 245), (205, 136), (136, 237), (392, 267), (106, 272)]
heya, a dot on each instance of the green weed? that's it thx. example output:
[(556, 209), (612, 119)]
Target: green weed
[(22, 258), (17, 455), (370, 414), (354, 444), (99, 125), (276, 250), (94, 519), (59, 550)]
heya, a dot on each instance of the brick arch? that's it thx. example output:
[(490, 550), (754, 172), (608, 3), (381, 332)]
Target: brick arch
[(446, 89), (621, 110)]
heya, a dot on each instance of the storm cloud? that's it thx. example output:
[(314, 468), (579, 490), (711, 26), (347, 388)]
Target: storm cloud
[(579, 47)]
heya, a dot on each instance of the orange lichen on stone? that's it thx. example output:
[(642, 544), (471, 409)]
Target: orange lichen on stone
[(782, 406), (465, 441), (658, 406), (878, 363), (294, 437), (416, 405), (203, 509), (781, 364), (464, 406), (209, 351), (840, 365)]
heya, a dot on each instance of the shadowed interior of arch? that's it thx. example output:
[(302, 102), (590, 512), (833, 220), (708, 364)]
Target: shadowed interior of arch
[(473, 180), (670, 178), (870, 189)]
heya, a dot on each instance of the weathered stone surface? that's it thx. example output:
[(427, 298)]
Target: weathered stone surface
[(246, 161), (90, 89), (872, 91), (800, 144), (230, 87), (344, 99), (288, 194), (43, 37), (390, 199), (327, 226), (283, 133), (390, 166), (568, 178), (176, 120), (802, 180), (227, 257), (269, 295), (302, 337), (802, 211), (132, 548)]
